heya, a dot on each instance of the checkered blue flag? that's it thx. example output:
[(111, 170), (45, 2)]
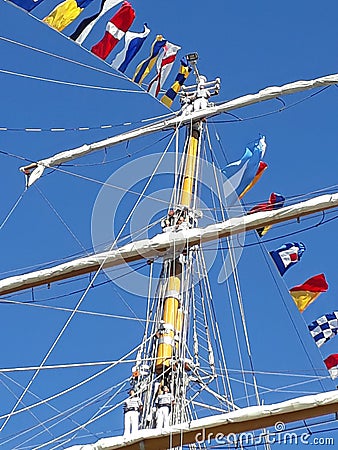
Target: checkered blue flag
[(324, 328)]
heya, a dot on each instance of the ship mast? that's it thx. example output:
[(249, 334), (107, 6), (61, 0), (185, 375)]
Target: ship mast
[(166, 361)]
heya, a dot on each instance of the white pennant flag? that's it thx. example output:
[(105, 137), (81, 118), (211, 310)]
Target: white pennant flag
[(164, 65)]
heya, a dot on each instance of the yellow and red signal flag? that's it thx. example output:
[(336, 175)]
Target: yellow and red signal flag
[(306, 293)]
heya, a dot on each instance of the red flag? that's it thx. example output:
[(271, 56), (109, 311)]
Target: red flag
[(275, 201), (315, 284), (115, 30), (304, 294), (331, 363)]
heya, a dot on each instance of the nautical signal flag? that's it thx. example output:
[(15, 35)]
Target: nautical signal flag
[(145, 66), (164, 65), (287, 255), (324, 328), (331, 363), (28, 5), (306, 293), (185, 69), (243, 174), (115, 30), (275, 201), (261, 168), (87, 24), (133, 43), (65, 13)]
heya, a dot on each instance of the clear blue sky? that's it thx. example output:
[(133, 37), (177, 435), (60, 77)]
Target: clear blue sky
[(249, 45)]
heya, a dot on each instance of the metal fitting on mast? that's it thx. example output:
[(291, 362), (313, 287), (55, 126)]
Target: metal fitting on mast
[(196, 97)]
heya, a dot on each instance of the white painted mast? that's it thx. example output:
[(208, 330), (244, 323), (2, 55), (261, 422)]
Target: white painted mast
[(35, 170), (163, 243)]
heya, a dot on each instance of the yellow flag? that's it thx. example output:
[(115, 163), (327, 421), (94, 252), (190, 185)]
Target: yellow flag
[(304, 298), (63, 14)]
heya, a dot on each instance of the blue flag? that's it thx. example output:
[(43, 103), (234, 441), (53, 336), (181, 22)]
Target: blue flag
[(241, 173), (28, 5), (324, 328), (287, 255), (133, 43)]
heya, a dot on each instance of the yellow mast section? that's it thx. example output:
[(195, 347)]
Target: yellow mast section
[(190, 168), (172, 315)]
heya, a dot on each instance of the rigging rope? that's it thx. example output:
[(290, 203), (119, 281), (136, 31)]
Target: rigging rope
[(30, 412), (54, 343), (72, 388), (240, 301), (103, 183), (224, 265), (12, 210), (79, 311), (60, 57), (61, 219), (70, 411), (39, 398), (69, 83), (97, 412)]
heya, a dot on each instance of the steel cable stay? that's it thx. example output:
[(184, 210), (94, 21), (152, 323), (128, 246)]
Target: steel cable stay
[(223, 215), (67, 83), (76, 386), (82, 406), (67, 413), (93, 419), (105, 405), (235, 278), (58, 415), (244, 381), (14, 409), (63, 222), (12, 210), (60, 57), (40, 424), (68, 365), (282, 373)]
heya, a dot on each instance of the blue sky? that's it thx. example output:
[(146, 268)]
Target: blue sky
[(249, 45)]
